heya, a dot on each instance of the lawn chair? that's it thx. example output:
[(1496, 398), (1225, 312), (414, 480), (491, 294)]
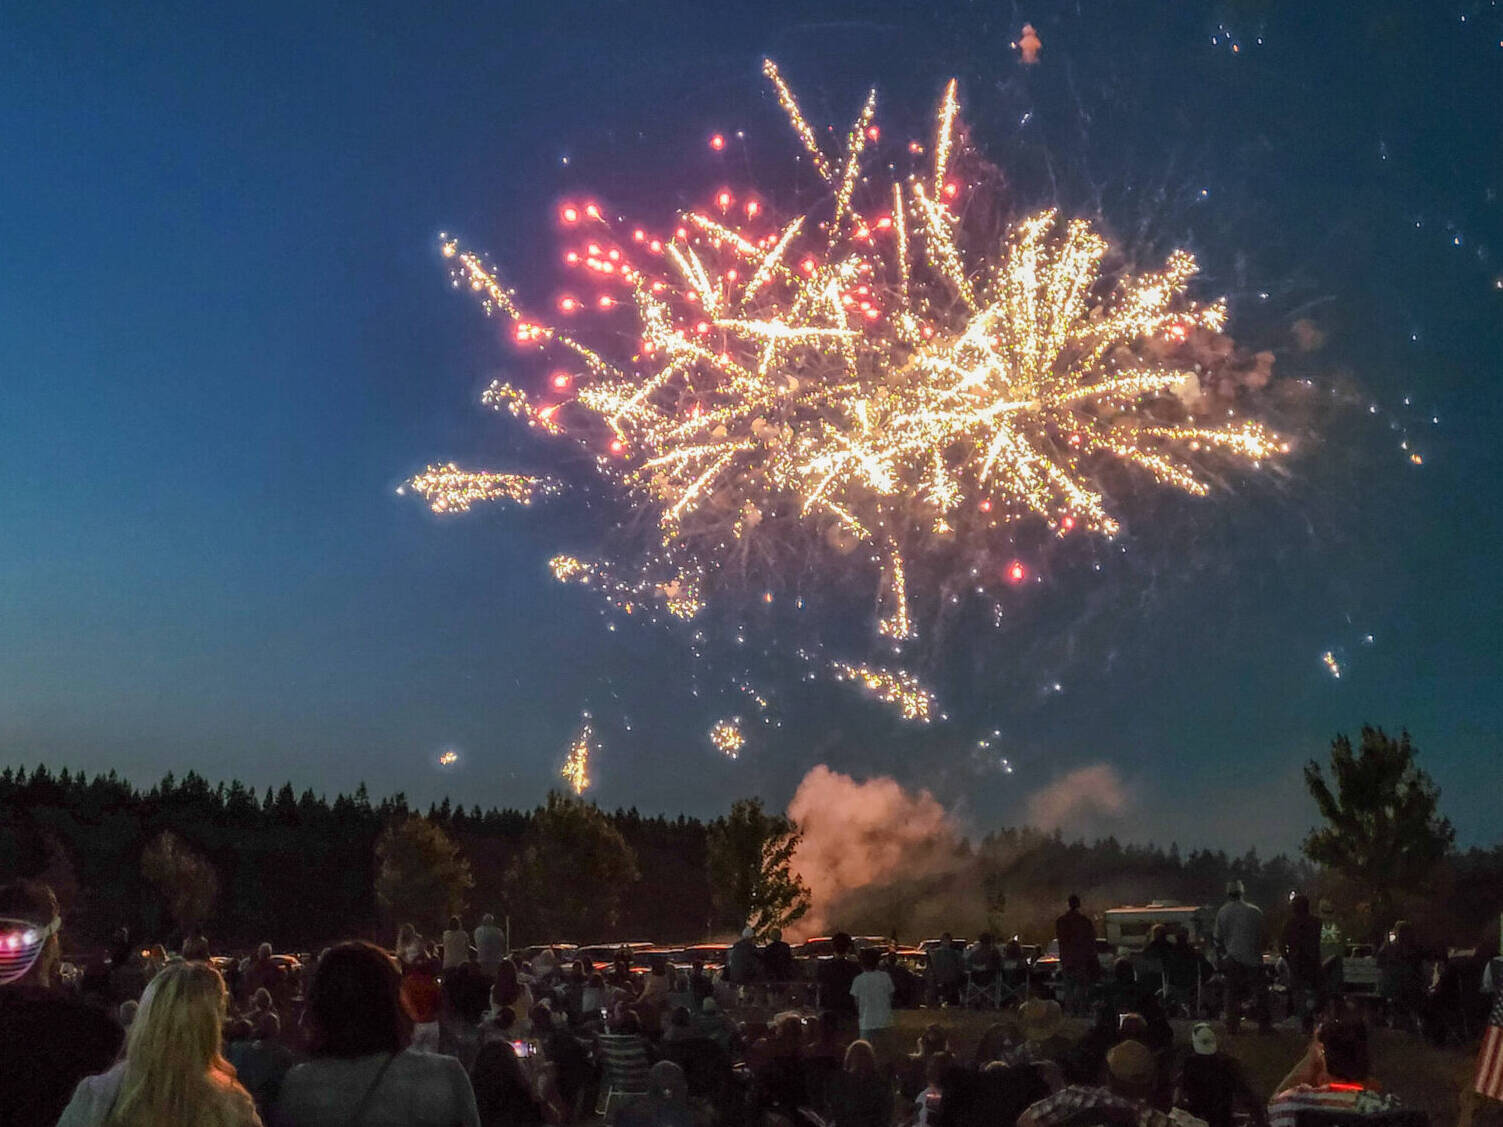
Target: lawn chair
[(983, 989), (1012, 983), (623, 1070)]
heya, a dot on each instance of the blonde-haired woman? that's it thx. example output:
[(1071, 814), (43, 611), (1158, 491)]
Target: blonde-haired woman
[(173, 1071)]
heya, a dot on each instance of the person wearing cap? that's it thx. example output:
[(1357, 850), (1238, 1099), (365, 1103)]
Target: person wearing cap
[(1132, 1073), (1239, 938), (1211, 1084), (1333, 1075), (741, 962), (49, 1041)]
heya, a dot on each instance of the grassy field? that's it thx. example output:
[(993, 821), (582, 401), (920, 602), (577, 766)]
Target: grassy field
[(1411, 1068)]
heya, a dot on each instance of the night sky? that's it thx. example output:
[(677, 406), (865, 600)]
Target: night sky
[(226, 337)]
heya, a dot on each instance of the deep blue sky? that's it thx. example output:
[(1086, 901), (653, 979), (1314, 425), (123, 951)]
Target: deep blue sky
[(225, 337)]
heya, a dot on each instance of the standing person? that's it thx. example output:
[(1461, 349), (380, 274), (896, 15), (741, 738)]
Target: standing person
[(1211, 1084), (1487, 1081), (362, 1070), (1078, 965), (873, 991), (741, 963), (777, 958), (490, 945), (1300, 946), (946, 971), (456, 945), (173, 1071), (1333, 1075), (834, 977), (1239, 940), (49, 1041)]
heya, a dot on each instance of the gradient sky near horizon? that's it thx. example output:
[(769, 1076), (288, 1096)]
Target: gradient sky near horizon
[(226, 337)]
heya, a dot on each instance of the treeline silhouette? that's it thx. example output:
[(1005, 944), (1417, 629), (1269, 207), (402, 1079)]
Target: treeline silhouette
[(298, 869)]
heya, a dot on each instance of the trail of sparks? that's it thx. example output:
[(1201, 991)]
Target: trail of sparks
[(896, 687), (449, 489), (865, 374), (576, 770)]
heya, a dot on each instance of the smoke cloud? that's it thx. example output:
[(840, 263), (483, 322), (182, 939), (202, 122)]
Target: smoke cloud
[(880, 859), (1078, 800)]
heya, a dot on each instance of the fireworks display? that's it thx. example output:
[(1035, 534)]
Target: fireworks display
[(576, 770), (1333, 667), (727, 738), (858, 376), (448, 758), (873, 381), (449, 489)]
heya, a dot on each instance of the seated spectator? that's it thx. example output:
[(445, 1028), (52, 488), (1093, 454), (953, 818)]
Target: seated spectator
[(999, 1042), (826, 1041), (656, 986), (996, 1094), (1210, 1084), (1132, 1074), (563, 1052), (362, 1068), (946, 971), (262, 1062), (928, 1105), (915, 1070), (509, 991), (777, 959), (503, 1094), (983, 960), (701, 986), (666, 1103), (196, 947), (592, 999), (1333, 1075), (775, 1062), (421, 996), (680, 1026), (1042, 1022), (49, 1041), (128, 1010), (859, 1096), (173, 1071), (713, 1025)]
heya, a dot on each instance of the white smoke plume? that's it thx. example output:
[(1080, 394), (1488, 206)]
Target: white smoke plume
[(1080, 800)]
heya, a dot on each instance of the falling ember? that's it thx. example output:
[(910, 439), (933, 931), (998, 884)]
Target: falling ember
[(448, 759), (1328, 659), (576, 770), (792, 383), (449, 489), (717, 141), (896, 687), (727, 738)]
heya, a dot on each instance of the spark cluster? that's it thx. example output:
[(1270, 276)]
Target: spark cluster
[(727, 738), (576, 770), (890, 686), (1333, 667), (449, 489), (448, 758)]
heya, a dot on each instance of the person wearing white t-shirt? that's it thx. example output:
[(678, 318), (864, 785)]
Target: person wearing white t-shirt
[(872, 989)]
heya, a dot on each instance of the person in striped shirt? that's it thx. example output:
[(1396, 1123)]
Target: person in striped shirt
[(1333, 1075)]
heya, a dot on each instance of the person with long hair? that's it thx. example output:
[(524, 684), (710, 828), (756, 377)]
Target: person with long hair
[(858, 1095), (363, 1072), (173, 1071)]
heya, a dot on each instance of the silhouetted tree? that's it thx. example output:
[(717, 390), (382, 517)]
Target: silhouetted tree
[(184, 879), (421, 875), (573, 870), (1382, 831), (752, 881)]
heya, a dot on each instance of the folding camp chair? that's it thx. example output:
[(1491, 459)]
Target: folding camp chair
[(983, 989), (623, 1070)]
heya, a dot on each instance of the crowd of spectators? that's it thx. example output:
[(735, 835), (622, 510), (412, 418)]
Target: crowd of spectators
[(461, 1033)]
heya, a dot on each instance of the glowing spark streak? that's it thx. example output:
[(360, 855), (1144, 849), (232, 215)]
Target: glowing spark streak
[(1328, 659), (796, 118), (944, 137), (897, 624), (900, 231), (941, 245), (855, 144), (772, 261), (897, 687), (576, 770), (449, 489)]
